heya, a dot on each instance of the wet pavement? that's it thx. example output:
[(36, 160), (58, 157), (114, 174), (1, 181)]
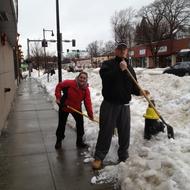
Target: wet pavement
[(28, 160)]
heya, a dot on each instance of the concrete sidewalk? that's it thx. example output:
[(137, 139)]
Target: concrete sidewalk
[(28, 160)]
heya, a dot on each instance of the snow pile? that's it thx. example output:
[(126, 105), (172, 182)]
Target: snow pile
[(158, 164)]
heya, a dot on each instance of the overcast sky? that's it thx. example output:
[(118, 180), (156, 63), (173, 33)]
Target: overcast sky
[(83, 20)]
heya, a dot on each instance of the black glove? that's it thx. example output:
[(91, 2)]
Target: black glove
[(64, 97)]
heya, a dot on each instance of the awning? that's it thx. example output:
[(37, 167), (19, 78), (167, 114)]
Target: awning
[(184, 53)]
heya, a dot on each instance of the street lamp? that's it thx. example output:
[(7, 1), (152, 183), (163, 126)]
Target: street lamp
[(44, 44)]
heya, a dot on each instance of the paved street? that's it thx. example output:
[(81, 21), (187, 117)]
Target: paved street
[(28, 160)]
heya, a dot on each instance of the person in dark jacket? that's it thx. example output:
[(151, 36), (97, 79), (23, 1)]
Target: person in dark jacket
[(74, 93), (117, 88)]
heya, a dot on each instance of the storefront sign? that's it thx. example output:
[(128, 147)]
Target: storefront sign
[(162, 49), (142, 52)]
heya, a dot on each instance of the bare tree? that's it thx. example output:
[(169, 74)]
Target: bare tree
[(109, 47), (36, 50), (177, 15), (93, 49), (162, 20), (141, 32), (153, 27), (37, 54), (123, 26)]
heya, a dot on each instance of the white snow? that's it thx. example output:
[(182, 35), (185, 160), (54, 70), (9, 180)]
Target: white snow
[(158, 164)]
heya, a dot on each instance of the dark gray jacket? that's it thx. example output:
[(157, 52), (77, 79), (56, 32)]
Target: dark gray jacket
[(117, 86)]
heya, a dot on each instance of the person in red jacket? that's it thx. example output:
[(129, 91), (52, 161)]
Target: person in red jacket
[(74, 93)]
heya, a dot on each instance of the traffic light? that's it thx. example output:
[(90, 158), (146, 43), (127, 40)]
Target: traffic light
[(73, 43), (44, 43)]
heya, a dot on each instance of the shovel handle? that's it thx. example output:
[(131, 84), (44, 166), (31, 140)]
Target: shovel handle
[(73, 109), (169, 128), (146, 97)]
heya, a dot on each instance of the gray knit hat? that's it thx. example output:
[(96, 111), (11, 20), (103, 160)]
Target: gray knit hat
[(121, 45)]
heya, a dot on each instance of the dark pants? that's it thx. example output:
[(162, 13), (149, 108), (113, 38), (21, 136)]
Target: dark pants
[(60, 132), (112, 116)]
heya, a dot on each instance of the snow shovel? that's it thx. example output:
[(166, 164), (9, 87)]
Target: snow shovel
[(115, 131), (73, 109), (170, 130)]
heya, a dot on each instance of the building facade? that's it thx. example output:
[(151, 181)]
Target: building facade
[(168, 51), (8, 57)]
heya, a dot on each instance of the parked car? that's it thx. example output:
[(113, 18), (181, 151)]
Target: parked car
[(180, 69)]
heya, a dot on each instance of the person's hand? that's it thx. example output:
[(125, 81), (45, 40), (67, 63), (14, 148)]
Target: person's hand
[(91, 117), (58, 101), (123, 65), (146, 93)]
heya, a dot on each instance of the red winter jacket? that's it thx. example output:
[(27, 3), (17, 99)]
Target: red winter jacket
[(75, 96)]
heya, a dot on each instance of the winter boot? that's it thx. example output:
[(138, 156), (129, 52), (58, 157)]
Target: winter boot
[(97, 164), (81, 144), (58, 144)]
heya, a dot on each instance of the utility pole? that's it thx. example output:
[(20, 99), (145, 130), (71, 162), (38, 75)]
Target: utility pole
[(45, 60), (59, 50), (28, 56)]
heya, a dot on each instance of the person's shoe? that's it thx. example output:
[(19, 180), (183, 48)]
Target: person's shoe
[(124, 158), (121, 160), (97, 164), (58, 145), (81, 145), (147, 136)]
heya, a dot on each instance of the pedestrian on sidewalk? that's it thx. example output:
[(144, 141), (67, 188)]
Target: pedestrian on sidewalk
[(117, 88), (72, 93)]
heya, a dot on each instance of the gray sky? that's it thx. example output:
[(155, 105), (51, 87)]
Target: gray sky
[(83, 20)]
